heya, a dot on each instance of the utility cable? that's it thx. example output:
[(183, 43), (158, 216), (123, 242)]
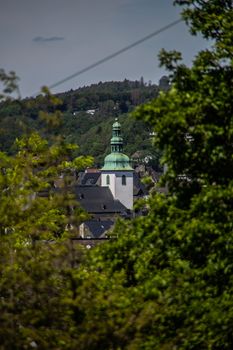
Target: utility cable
[(117, 53)]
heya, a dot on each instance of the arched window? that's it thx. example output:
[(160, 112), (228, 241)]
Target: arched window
[(108, 180), (123, 180)]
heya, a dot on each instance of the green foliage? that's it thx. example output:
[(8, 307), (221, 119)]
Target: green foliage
[(166, 281), (33, 309), (29, 204), (37, 256), (10, 84), (73, 120)]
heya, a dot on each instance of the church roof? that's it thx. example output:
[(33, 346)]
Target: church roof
[(116, 161), (98, 200)]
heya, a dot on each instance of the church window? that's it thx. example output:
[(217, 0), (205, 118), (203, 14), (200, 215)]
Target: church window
[(123, 180), (108, 180)]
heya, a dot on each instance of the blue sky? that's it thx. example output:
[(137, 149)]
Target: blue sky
[(45, 41)]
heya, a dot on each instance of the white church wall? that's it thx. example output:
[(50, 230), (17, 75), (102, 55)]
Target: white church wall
[(111, 183), (124, 193)]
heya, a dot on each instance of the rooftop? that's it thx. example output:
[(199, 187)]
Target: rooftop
[(96, 200)]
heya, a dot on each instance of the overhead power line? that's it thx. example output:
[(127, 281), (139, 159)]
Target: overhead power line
[(117, 53)]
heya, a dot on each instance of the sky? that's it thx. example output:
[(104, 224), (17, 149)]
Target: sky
[(45, 41)]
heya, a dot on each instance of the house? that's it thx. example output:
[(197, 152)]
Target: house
[(90, 177), (95, 229), (90, 111)]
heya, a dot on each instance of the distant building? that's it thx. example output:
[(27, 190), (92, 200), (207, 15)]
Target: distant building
[(90, 177), (90, 111), (164, 83), (117, 172), (95, 229)]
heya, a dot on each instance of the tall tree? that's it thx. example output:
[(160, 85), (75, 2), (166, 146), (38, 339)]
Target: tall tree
[(166, 282), (36, 256)]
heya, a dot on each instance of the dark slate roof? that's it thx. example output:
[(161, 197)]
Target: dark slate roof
[(90, 178), (97, 228), (96, 199), (139, 188)]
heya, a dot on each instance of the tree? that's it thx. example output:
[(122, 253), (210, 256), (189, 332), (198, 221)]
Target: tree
[(166, 282), (37, 259), (10, 84)]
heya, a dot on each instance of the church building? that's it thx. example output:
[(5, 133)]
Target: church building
[(117, 173)]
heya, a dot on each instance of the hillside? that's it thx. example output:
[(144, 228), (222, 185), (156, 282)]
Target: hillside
[(87, 115)]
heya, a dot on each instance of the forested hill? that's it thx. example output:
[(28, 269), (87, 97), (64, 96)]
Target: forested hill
[(87, 116)]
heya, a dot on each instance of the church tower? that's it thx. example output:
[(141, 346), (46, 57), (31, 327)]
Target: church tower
[(117, 173)]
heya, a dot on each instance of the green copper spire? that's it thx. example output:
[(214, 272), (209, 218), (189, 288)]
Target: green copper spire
[(116, 140), (116, 160)]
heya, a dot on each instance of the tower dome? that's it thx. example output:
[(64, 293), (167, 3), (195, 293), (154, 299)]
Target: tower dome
[(116, 160)]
